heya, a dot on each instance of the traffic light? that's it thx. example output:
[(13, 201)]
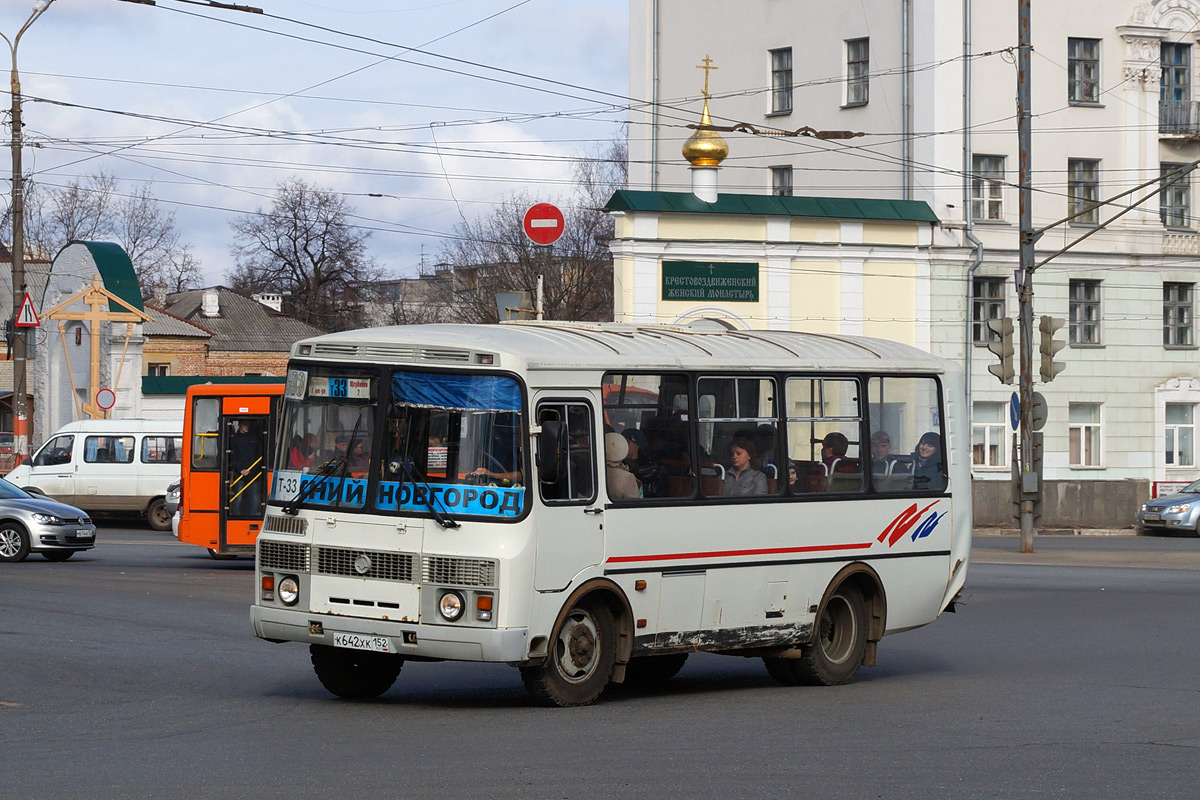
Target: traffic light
[(1049, 347), (1003, 347)]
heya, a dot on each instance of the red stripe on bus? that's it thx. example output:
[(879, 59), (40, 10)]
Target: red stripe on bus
[(726, 553)]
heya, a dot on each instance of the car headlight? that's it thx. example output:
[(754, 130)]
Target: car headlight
[(289, 590), (451, 606), (48, 519), (1179, 509)]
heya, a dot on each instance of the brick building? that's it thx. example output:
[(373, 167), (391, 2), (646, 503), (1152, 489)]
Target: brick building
[(212, 333)]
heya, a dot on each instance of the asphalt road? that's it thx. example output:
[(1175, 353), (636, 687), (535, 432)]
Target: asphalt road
[(1071, 673)]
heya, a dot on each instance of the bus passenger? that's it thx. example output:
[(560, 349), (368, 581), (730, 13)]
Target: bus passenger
[(743, 479), (928, 470), (300, 454), (883, 461), (652, 476), (621, 483)]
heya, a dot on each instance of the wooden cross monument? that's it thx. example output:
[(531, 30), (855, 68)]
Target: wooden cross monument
[(98, 299)]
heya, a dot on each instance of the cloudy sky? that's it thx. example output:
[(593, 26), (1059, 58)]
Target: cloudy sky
[(440, 107)]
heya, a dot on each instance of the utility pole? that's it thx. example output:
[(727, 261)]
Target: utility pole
[(1030, 487), (21, 425)]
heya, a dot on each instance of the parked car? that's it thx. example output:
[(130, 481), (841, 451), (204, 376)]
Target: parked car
[(35, 524), (108, 466), (1172, 513), (171, 501)]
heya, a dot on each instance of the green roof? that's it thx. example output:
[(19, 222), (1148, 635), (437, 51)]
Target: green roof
[(770, 206), (178, 384), (117, 272)]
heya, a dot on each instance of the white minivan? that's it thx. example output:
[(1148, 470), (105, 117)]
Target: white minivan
[(114, 466)]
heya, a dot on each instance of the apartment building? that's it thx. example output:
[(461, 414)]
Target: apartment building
[(931, 88)]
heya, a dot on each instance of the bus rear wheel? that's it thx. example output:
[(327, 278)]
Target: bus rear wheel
[(582, 654), (354, 674), (837, 650)]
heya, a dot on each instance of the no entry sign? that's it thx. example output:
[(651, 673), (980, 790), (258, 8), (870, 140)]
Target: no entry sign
[(543, 224)]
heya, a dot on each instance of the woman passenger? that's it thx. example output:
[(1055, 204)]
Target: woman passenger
[(929, 470), (743, 480)]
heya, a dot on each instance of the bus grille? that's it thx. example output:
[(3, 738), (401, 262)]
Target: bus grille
[(276, 523), (459, 571), (376, 564), (383, 352), (282, 556)]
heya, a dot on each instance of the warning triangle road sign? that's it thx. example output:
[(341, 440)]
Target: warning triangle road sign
[(27, 317)]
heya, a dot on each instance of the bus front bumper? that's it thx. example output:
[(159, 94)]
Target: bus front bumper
[(404, 638)]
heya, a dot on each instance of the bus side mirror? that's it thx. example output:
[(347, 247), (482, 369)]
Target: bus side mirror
[(549, 451)]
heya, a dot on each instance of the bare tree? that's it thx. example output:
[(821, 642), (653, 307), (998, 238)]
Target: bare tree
[(305, 247), (491, 253), (91, 209)]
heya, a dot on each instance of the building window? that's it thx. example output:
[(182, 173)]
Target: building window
[(1083, 71), (1177, 314), (781, 80), (1083, 190), (1084, 434), (781, 181), (1181, 434), (1085, 312), (987, 187), (987, 303), (989, 427), (858, 68), (158, 370), (1175, 90), (1175, 198)]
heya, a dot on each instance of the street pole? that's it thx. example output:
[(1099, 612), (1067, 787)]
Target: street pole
[(22, 429), (1029, 487)]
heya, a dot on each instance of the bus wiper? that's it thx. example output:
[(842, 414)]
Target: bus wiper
[(440, 517), (322, 475)]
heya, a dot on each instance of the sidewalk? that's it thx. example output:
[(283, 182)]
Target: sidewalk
[(1117, 548)]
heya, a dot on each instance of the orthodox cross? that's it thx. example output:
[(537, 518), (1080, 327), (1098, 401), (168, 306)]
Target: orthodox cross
[(97, 298), (706, 66)]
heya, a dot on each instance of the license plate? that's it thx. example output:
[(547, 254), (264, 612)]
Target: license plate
[(83, 533), (1152, 516), (376, 644)]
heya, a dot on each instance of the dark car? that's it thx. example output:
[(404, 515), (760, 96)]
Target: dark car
[(1172, 513), (36, 524)]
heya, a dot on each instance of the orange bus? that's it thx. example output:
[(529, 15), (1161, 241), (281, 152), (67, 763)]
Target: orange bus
[(228, 439)]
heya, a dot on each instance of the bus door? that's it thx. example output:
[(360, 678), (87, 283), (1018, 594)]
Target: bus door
[(570, 512), (245, 434)]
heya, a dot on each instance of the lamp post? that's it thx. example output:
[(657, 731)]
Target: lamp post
[(21, 427)]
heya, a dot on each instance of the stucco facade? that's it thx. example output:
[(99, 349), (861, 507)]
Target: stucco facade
[(1124, 411)]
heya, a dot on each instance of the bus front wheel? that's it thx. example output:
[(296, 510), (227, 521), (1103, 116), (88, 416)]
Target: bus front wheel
[(580, 663), (354, 674), (837, 650)]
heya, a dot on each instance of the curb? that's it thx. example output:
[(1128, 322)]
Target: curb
[(1058, 532)]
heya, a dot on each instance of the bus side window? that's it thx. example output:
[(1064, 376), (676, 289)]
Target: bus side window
[(576, 456), (205, 413)]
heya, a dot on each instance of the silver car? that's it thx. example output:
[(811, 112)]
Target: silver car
[(1172, 513), (35, 524)]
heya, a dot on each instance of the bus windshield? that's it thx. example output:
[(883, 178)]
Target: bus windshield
[(446, 444)]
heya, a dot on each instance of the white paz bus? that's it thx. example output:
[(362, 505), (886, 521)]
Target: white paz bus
[(593, 502)]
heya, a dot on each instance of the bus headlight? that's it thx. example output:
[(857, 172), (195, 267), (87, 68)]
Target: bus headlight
[(289, 591), (451, 606)]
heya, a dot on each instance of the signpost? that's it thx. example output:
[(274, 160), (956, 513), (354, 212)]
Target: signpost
[(543, 224)]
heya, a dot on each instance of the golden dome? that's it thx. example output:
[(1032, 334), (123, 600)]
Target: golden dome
[(705, 147)]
